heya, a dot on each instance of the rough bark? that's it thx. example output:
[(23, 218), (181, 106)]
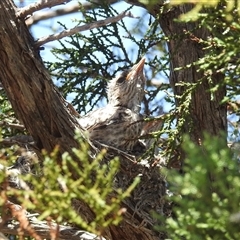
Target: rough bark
[(207, 114), (48, 119), (50, 122), (29, 87)]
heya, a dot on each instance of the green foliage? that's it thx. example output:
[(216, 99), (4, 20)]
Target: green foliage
[(230, 7), (7, 116), (86, 61), (222, 58), (207, 195), (220, 66), (53, 192)]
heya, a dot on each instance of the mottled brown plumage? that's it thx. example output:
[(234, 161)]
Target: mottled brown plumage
[(115, 126), (127, 89), (119, 124)]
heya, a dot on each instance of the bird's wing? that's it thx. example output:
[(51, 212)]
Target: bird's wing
[(152, 125), (103, 117)]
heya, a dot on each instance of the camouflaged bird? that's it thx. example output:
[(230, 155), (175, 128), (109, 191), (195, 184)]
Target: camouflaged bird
[(127, 89), (119, 124)]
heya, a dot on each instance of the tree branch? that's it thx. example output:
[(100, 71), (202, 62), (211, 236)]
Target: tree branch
[(20, 140), (12, 125), (85, 27), (71, 8), (41, 4)]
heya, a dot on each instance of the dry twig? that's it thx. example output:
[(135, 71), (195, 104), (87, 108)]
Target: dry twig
[(20, 140), (41, 4), (85, 27), (12, 125), (71, 8)]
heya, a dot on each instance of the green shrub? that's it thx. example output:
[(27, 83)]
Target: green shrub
[(206, 196)]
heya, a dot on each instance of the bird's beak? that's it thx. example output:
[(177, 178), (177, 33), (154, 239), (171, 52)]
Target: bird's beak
[(136, 69)]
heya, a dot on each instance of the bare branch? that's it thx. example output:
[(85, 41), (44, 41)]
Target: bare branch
[(85, 27), (20, 140), (12, 125), (41, 4), (71, 8), (43, 15)]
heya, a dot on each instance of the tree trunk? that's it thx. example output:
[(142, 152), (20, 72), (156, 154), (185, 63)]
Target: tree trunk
[(29, 87), (48, 119), (206, 113), (40, 107)]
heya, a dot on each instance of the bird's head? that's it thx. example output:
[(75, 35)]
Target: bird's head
[(127, 89)]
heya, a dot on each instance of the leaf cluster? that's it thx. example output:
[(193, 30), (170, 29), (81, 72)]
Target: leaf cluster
[(54, 193), (229, 5), (220, 68), (206, 196), (86, 61)]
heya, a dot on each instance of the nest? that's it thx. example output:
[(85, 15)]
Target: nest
[(146, 198)]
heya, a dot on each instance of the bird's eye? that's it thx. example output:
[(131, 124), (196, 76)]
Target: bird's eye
[(121, 79)]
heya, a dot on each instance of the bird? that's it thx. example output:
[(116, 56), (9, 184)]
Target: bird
[(119, 123), (149, 127), (115, 126), (127, 89)]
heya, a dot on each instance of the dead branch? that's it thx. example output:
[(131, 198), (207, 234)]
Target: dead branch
[(20, 140), (71, 8), (12, 125), (44, 15), (31, 8), (85, 27)]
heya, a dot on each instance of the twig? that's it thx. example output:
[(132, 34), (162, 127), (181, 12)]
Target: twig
[(12, 125), (72, 8), (85, 27), (41, 4), (130, 157), (43, 15), (20, 140), (20, 214)]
